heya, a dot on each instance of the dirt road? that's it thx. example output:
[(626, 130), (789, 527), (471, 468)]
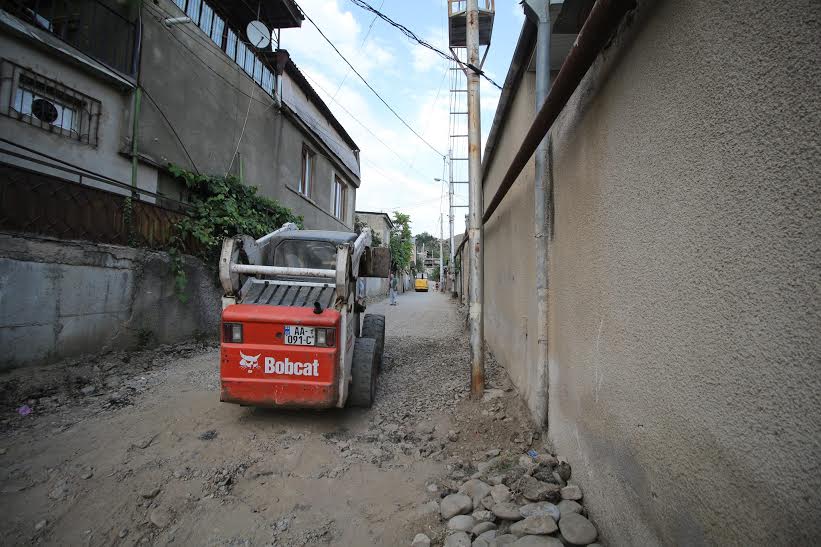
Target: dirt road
[(137, 449)]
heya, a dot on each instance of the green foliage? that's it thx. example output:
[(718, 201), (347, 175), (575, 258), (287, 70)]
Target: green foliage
[(220, 207), (401, 244), (434, 274)]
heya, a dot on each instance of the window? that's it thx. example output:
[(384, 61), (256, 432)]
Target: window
[(258, 73), (193, 10), (206, 19), (49, 105), (242, 50), (293, 253), (216, 30), (231, 45), (306, 180), (339, 198), (180, 4)]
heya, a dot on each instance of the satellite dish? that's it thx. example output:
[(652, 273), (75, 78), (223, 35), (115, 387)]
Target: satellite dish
[(258, 34)]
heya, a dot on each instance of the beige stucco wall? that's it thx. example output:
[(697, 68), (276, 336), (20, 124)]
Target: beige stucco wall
[(684, 277), (510, 253)]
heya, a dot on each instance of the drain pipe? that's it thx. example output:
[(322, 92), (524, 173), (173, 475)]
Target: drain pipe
[(539, 12)]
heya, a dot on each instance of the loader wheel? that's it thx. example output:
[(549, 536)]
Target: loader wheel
[(363, 372), (373, 326)]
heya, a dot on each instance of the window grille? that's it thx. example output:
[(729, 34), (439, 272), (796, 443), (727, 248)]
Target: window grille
[(49, 105)]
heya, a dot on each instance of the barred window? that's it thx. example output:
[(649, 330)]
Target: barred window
[(49, 105)]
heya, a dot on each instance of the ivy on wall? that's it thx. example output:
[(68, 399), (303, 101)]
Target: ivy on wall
[(221, 206)]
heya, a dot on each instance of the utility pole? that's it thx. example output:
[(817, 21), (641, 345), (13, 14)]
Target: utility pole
[(477, 366), (441, 256), (452, 268)]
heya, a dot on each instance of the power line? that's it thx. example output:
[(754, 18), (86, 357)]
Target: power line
[(378, 96), (171, 126), (410, 34), (365, 39)]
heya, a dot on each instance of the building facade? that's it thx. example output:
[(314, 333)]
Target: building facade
[(682, 271), (76, 76)]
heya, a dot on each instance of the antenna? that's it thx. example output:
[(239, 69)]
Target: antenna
[(258, 34)]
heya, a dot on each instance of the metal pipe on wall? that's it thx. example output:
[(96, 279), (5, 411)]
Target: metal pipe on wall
[(477, 335), (603, 20), (540, 11)]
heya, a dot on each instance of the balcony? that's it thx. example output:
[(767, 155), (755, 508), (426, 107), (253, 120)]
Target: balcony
[(105, 31)]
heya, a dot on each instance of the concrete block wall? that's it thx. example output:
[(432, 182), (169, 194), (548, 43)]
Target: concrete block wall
[(66, 298)]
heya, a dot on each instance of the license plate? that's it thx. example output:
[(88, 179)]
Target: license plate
[(296, 335)]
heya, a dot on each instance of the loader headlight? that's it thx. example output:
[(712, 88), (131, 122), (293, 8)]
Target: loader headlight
[(326, 337), (232, 332)]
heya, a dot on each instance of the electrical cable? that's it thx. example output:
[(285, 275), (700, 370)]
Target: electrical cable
[(365, 39), (410, 34), (241, 134), (171, 126), (369, 86)]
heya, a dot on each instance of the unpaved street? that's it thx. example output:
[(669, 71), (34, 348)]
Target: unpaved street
[(128, 449)]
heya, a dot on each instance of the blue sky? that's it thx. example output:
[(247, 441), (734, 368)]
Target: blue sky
[(412, 80)]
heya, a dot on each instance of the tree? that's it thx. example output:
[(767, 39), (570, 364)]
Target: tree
[(401, 244)]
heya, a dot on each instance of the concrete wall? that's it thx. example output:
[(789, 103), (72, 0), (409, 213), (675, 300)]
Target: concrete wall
[(62, 298), (510, 254), (684, 266), (377, 287)]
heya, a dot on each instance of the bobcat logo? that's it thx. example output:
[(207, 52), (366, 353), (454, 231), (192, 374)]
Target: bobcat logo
[(249, 362)]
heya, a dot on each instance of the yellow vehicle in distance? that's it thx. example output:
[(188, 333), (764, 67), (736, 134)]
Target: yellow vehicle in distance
[(420, 284)]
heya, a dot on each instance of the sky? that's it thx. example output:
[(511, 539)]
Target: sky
[(398, 169)]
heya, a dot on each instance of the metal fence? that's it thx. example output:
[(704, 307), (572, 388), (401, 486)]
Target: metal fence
[(33, 202)]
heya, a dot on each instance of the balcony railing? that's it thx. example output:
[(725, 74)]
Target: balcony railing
[(100, 31)]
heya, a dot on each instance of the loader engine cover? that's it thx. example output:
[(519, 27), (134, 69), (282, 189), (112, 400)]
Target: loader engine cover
[(274, 356)]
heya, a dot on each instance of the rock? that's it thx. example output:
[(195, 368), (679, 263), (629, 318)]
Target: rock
[(88, 390), (546, 474), (494, 480), (491, 394), (59, 491), (564, 471), (87, 475), (506, 511), (541, 509), (558, 479), (429, 508), (150, 493), (209, 435), (571, 492), (506, 539), (500, 493), (459, 539), (455, 504), (476, 489), (432, 488), (493, 452), (40, 525), (536, 490), (123, 533), (547, 460), (421, 540), (526, 461), (488, 503), (568, 506), (577, 530), (453, 436), (536, 526), (489, 535), (3, 451), (483, 516), (461, 523), (160, 517), (483, 527), (537, 541)]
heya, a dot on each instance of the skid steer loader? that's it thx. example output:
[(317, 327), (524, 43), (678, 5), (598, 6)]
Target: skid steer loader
[(292, 332)]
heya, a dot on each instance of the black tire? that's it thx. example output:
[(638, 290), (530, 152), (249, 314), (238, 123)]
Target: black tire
[(373, 326), (363, 373)]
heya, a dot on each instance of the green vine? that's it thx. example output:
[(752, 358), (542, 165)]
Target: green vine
[(128, 220), (220, 207)]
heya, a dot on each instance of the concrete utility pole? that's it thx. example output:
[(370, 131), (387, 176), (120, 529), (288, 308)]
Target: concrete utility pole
[(441, 256), (477, 334)]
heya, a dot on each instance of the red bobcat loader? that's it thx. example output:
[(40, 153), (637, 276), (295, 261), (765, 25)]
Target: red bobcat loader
[(291, 330)]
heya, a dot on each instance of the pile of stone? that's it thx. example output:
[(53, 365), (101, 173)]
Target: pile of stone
[(524, 501)]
